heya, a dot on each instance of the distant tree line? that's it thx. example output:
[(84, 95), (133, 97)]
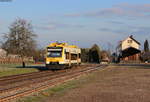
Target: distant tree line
[(94, 54), (91, 54)]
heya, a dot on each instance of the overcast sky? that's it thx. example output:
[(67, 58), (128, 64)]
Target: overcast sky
[(81, 22)]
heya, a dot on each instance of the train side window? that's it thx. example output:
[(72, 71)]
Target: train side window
[(67, 55), (73, 56), (79, 55)]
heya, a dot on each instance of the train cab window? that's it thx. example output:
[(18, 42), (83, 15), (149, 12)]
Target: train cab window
[(54, 54)]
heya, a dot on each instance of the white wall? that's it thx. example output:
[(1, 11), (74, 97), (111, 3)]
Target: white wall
[(126, 44)]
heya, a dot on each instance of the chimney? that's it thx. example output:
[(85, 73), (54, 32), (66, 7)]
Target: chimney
[(131, 36)]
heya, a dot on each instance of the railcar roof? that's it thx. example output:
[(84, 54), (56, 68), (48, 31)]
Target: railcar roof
[(62, 45)]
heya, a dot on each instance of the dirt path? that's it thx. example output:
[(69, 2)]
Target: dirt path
[(114, 84)]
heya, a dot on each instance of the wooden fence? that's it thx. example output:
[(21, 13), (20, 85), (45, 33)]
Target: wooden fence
[(12, 60)]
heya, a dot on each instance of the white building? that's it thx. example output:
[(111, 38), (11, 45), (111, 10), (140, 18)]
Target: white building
[(129, 49), (3, 53), (129, 42)]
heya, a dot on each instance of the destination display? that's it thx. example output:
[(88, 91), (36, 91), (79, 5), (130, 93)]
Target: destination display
[(54, 49)]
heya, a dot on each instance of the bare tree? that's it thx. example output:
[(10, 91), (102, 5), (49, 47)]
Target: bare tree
[(20, 39), (110, 48)]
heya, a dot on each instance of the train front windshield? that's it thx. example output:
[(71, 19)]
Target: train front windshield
[(54, 52)]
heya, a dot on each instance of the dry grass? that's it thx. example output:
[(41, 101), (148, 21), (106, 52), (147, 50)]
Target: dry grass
[(112, 84)]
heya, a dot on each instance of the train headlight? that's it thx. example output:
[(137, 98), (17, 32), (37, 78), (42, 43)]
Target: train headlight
[(61, 62), (47, 62)]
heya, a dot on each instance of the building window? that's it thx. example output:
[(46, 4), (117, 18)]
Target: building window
[(129, 41)]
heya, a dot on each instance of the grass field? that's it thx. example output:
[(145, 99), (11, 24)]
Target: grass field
[(13, 69)]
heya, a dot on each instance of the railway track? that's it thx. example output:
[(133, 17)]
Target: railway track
[(29, 86), (34, 75), (28, 81), (24, 75)]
